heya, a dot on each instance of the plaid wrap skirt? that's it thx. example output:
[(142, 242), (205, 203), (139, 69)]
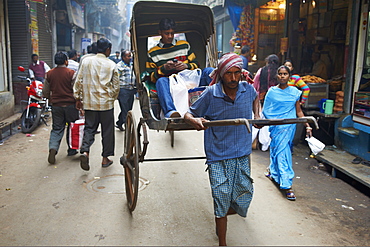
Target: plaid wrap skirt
[(231, 185)]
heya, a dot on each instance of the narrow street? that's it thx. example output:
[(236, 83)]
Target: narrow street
[(42, 204)]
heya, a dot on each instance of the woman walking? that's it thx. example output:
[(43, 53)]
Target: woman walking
[(266, 76), (283, 101), (264, 79)]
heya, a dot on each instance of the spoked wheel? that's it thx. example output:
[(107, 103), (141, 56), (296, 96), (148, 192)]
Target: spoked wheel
[(130, 161), (30, 122)]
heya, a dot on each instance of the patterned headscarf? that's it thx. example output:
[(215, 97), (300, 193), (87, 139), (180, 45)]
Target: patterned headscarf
[(224, 64)]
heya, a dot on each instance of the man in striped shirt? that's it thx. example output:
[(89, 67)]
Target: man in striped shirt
[(169, 57), (96, 88)]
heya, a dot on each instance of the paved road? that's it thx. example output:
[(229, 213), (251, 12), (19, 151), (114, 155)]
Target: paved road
[(61, 204)]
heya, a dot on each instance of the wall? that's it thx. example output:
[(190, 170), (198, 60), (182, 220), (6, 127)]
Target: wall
[(6, 95), (224, 29)]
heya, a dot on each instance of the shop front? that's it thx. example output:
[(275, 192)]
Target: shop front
[(318, 38), (353, 130), (70, 25)]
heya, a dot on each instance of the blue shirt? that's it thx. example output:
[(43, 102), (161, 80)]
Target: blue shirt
[(245, 62), (225, 142)]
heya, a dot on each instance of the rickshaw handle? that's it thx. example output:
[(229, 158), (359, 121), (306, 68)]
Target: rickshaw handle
[(261, 122)]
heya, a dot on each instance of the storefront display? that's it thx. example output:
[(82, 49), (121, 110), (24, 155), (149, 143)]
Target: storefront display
[(270, 23), (361, 102)]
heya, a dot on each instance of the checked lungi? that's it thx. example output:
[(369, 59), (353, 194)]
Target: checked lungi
[(231, 185)]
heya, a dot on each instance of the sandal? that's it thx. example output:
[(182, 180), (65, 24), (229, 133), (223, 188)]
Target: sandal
[(365, 162), (290, 194), (356, 160), (268, 174), (84, 161)]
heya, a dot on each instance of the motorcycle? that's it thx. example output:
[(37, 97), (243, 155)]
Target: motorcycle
[(37, 107)]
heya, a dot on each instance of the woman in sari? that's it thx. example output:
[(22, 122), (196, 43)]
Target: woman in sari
[(283, 101)]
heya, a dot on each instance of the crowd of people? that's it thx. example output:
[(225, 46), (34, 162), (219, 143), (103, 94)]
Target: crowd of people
[(86, 89), (89, 88)]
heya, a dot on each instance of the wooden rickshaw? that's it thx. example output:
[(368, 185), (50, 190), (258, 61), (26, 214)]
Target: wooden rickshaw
[(197, 23)]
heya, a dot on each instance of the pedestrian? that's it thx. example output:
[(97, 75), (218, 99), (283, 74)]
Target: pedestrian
[(38, 68), (127, 87), (227, 148), (116, 58), (266, 76), (96, 88), (91, 51), (264, 79), (168, 57), (58, 88), (244, 54), (283, 101), (296, 80), (72, 62)]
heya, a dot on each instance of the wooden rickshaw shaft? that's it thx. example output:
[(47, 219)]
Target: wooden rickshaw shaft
[(239, 121)]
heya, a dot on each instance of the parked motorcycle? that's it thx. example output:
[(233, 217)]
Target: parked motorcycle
[(37, 107)]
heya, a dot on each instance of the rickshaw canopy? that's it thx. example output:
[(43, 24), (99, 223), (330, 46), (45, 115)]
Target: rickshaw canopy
[(195, 21)]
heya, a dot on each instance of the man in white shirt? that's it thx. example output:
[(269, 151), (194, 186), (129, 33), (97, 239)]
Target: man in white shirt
[(96, 88), (72, 61)]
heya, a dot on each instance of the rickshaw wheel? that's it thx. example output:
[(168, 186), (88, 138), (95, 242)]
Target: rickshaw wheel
[(130, 161)]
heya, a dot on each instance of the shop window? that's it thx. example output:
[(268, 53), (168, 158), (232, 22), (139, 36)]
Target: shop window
[(365, 78)]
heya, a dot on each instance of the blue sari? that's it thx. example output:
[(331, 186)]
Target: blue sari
[(281, 103)]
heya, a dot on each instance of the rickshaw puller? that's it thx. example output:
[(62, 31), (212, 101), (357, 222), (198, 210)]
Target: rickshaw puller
[(228, 165)]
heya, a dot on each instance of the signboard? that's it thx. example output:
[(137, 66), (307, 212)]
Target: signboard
[(75, 13), (84, 43), (34, 29)]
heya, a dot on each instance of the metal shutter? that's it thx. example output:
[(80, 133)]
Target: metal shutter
[(20, 41), (45, 34)]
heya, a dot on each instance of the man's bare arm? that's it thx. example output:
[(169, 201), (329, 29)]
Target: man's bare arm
[(197, 123)]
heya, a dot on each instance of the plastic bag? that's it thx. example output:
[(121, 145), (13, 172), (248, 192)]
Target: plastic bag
[(264, 138), (179, 93), (76, 133), (315, 145), (190, 78), (179, 85)]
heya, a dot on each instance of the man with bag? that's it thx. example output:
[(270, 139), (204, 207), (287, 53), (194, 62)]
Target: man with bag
[(227, 148), (162, 63), (58, 88), (96, 88)]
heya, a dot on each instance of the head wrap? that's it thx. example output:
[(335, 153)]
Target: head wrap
[(224, 64)]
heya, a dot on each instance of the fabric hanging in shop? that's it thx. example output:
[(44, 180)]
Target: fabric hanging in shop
[(235, 11), (244, 34)]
